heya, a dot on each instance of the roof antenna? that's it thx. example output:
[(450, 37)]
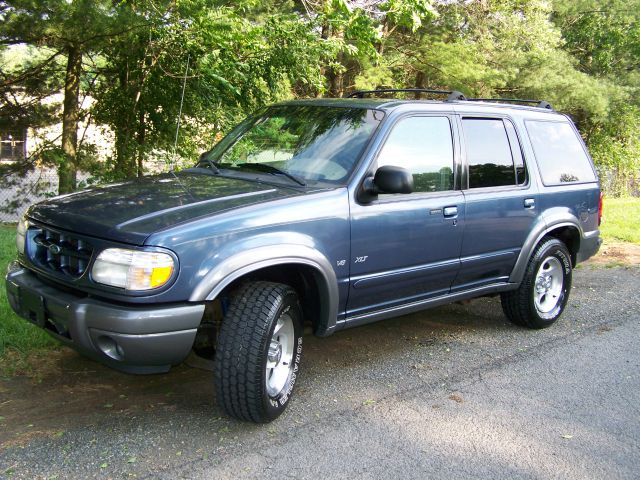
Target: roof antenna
[(175, 142)]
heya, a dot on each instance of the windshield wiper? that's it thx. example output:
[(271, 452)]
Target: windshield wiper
[(210, 163), (210, 169), (265, 167)]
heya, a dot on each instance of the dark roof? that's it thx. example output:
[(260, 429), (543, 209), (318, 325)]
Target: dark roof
[(387, 104), (377, 103)]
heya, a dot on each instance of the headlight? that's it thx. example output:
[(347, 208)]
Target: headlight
[(131, 269), (21, 234)]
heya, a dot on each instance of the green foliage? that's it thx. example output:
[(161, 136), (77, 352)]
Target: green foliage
[(603, 38), (235, 65), (408, 13), (604, 35), (615, 148)]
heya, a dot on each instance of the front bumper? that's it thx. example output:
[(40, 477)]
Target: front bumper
[(130, 338)]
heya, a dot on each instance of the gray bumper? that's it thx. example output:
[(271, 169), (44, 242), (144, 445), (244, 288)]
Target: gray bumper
[(589, 245), (131, 338)]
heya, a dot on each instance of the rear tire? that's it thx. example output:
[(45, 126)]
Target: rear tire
[(543, 294), (258, 352)]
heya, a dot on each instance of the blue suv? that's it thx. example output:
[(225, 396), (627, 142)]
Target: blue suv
[(331, 212)]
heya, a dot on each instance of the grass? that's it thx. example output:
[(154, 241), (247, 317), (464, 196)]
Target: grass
[(621, 220), (18, 338)]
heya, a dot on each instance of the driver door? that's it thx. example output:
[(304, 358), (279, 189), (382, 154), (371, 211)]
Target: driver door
[(406, 247)]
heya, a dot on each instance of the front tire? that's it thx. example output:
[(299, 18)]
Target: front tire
[(543, 294), (258, 352)]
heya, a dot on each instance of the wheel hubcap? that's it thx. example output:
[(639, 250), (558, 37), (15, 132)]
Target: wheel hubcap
[(280, 356), (548, 285), (275, 352)]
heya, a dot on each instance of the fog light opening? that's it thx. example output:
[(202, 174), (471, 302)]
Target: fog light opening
[(110, 347)]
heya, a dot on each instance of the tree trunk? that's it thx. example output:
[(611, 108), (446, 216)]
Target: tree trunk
[(335, 79), (383, 37), (420, 79), (68, 169), (140, 137), (124, 128)]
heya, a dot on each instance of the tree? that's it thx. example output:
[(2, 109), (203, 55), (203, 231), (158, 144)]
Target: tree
[(69, 29), (135, 56), (231, 65), (604, 38), (359, 31)]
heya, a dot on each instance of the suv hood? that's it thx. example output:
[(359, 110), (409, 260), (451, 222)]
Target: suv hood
[(130, 211)]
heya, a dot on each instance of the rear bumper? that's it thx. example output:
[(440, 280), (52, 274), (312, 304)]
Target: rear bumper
[(589, 245), (129, 338)]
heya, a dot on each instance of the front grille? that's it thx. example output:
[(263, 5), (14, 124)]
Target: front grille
[(59, 252)]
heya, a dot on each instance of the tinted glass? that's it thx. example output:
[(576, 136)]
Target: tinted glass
[(488, 153), (315, 143), (559, 152), (424, 146), (516, 151)]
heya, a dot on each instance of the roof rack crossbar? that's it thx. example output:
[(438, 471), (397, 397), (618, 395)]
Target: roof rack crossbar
[(452, 95), (537, 103)]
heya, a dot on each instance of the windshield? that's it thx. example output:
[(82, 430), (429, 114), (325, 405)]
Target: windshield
[(310, 143)]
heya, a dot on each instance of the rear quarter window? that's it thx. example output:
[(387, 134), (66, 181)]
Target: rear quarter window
[(559, 152)]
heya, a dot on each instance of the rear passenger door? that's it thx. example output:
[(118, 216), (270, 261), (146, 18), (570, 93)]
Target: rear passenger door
[(500, 201)]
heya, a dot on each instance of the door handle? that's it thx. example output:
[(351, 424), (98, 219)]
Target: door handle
[(529, 203), (450, 211)]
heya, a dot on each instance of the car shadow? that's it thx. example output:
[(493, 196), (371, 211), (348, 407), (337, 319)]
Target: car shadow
[(75, 392)]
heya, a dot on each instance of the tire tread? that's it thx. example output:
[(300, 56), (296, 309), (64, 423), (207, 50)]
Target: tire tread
[(516, 304), (238, 367)]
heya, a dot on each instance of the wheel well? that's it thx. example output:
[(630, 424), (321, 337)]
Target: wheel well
[(302, 278), (570, 236)]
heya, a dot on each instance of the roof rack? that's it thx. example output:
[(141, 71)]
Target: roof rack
[(537, 103), (452, 95)]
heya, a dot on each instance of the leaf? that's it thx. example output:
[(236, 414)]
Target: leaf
[(132, 460), (104, 465), (368, 402)]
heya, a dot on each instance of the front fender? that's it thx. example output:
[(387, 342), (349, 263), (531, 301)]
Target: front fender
[(253, 259)]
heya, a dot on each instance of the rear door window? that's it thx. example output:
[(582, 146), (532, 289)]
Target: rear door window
[(492, 159), (560, 153)]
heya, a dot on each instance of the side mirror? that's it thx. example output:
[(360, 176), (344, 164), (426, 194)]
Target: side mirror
[(389, 179)]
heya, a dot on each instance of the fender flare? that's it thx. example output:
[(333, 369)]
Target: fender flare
[(549, 223), (251, 260)]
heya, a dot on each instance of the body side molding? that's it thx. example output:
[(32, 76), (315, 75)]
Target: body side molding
[(370, 317)]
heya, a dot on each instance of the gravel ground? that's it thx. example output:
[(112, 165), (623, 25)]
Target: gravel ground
[(452, 392)]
